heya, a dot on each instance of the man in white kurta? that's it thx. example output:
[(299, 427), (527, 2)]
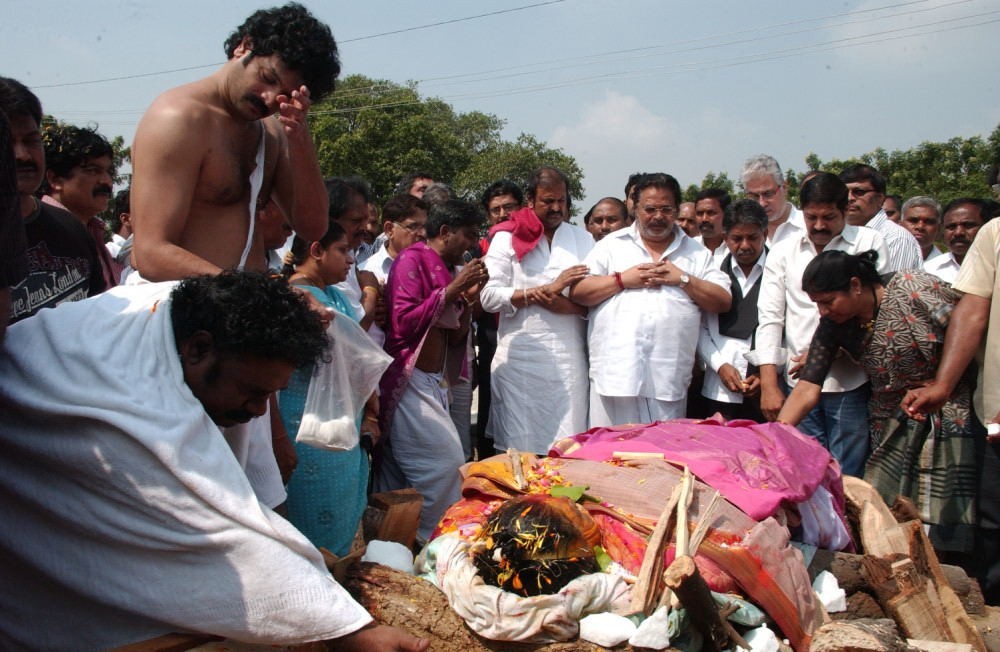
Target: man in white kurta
[(126, 514), (539, 372), (648, 286)]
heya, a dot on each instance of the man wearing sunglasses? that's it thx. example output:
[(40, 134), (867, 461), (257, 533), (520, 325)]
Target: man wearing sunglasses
[(866, 188)]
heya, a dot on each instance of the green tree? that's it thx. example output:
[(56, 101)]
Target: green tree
[(381, 130), (515, 161), (958, 167), (711, 180)]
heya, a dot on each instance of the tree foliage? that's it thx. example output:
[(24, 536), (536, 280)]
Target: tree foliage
[(711, 180), (381, 130), (959, 167)]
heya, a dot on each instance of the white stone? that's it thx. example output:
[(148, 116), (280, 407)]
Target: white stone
[(389, 553), (829, 592), (607, 629)]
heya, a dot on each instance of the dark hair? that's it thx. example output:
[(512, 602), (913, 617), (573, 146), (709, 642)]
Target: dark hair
[(500, 188), (896, 198), (546, 176), (404, 184), (718, 194), (824, 188), (860, 172), (67, 146), (16, 100), (248, 313), (402, 206), (832, 271), (122, 205), (619, 204), (340, 191), (745, 211), (658, 180), (300, 247), (985, 210), (455, 214), (304, 44), (632, 180)]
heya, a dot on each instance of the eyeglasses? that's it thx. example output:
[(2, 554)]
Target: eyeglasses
[(860, 192), (665, 211), (767, 195), (504, 208), (413, 227)]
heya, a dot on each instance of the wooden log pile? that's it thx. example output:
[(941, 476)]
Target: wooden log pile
[(899, 596)]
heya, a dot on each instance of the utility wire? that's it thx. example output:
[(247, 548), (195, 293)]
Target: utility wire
[(350, 40)]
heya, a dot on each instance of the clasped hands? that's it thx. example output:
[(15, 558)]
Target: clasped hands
[(651, 275)]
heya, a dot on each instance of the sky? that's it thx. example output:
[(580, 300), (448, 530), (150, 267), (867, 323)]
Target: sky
[(625, 86)]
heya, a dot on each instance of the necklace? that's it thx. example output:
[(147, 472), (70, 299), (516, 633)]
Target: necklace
[(310, 280), (870, 324)]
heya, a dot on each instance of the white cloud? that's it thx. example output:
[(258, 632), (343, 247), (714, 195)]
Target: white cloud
[(617, 134)]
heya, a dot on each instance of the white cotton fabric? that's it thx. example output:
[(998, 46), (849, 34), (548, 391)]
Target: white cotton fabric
[(716, 349), (787, 317), (126, 514), (643, 341), (945, 267), (502, 616), (539, 373)]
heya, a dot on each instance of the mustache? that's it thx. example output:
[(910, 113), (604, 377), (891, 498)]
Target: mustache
[(102, 189), (258, 103), (26, 166)]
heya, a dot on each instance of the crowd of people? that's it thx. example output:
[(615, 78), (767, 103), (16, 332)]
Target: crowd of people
[(854, 316)]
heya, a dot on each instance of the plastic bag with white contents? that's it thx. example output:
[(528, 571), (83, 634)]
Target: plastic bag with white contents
[(339, 388)]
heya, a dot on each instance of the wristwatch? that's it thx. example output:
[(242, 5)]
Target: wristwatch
[(685, 279)]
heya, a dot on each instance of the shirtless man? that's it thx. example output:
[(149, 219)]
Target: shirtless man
[(429, 306), (196, 174)]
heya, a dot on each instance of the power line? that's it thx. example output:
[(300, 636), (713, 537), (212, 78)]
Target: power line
[(454, 20), (350, 40)]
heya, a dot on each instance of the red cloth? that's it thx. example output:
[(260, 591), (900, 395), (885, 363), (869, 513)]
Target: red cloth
[(525, 230)]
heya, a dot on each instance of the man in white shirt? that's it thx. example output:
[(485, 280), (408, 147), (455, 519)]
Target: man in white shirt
[(404, 221), (787, 319), (765, 184), (539, 371), (922, 218), (648, 287), (709, 206), (732, 385), (960, 223), (866, 186)]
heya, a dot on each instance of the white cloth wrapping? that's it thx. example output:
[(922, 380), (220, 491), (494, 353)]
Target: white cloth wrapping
[(502, 616), (126, 514)]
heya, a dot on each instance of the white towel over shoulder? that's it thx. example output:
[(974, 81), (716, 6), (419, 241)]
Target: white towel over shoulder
[(125, 513)]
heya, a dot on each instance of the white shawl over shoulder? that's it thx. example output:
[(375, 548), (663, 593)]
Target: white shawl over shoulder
[(123, 511)]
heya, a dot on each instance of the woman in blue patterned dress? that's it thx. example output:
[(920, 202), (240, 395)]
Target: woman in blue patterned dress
[(328, 491)]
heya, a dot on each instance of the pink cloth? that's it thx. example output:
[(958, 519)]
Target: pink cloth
[(525, 230), (755, 466), (414, 300)]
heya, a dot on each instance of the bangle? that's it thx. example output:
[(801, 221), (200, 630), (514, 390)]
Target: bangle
[(527, 297), (370, 417), (618, 281)]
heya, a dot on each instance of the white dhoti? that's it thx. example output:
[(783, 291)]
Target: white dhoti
[(423, 451), (618, 410)]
